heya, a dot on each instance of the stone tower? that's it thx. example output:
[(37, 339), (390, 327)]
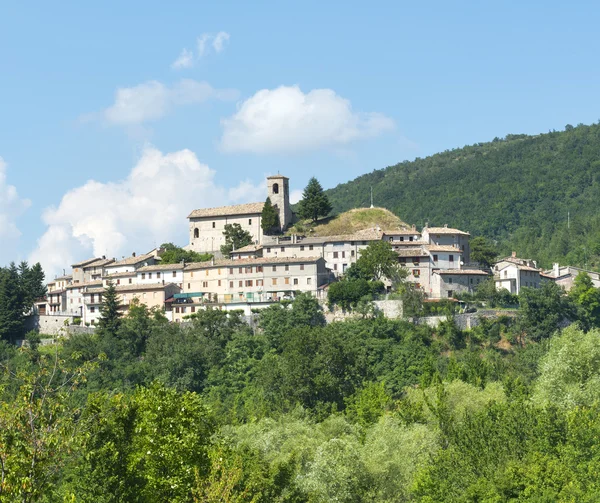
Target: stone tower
[(279, 192)]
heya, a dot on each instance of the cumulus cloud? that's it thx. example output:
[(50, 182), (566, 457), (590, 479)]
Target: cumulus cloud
[(186, 58), (286, 119), (11, 207), (146, 209), (152, 100), (296, 196)]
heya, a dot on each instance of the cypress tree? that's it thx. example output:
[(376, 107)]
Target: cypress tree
[(269, 217), (110, 320), (314, 203), (12, 322)]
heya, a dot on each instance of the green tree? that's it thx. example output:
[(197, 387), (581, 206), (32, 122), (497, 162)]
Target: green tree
[(314, 203), (110, 318), (482, 251), (378, 261), (174, 255), (235, 238), (269, 218), (587, 300), (12, 304)]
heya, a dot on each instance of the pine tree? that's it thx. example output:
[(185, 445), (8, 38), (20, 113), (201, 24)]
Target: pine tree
[(269, 217), (110, 320), (12, 305), (235, 238), (314, 203)]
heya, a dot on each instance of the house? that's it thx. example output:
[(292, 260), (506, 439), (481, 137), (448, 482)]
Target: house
[(513, 273), (206, 225), (447, 236), (565, 275), (448, 283), (130, 264)]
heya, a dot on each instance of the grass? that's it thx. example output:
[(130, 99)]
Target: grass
[(349, 222)]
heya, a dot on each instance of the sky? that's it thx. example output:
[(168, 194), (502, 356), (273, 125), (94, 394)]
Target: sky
[(117, 119)]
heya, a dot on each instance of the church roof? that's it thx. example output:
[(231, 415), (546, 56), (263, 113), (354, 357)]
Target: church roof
[(221, 211)]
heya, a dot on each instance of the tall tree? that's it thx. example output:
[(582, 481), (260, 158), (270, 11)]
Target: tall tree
[(314, 203), (235, 238), (12, 304), (377, 261), (110, 320), (269, 218), (482, 251)]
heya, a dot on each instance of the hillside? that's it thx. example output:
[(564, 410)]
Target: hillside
[(518, 191), (349, 222)]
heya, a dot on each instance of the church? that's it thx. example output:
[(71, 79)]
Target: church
[(207, 224)]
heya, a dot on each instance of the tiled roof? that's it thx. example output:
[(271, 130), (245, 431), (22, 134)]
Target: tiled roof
[(61, 278), (468, 272), (411, 252), (135, 288), (81, 285), (120, 275), (445, 230), (161, 267), (236, 209), (248, 248), (444, 248), (250, 261), (99, 262), (273, 177), (364, 235), (401, 232), (86, 262), (520, 267), (132, 260)]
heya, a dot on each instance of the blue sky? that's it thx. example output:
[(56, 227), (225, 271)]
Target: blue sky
[(91, 92)]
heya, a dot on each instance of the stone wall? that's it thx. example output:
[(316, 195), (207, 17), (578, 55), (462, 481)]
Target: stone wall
[(464, 321), (49, 324)]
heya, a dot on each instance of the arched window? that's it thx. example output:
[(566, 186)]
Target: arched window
[(275, 188), (196, 233)]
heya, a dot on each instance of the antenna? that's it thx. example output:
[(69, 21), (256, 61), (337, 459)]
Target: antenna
[(372, 197)]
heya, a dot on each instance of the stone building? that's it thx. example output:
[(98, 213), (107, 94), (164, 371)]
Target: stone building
[(513, 273), (206, 225), (565, 275)]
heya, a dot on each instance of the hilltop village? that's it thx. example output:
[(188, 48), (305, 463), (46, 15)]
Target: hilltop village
[(276, 267)]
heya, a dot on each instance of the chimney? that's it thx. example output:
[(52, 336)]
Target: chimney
[(556, 269), (514, 254), (133, 254), (445, 226), (103, 257), (212, 260)]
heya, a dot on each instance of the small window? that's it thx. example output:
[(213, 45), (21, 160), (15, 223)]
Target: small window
[(214, 225), (295, 281), (275, 188), (92, 309), (352, 253), (410, 238), (274, 268), (259, 268), (249, 221), (175, 273), (310, 247), (451, 258), (335, 254), (196, 233), (205, 284), (143, 275), (231, 270), (219, 282), (450, 294), (193, 309), (240, 283), (268, 250), (283, 248), (286, 281), (450, 280), (416, 273), (274, 281), (302, 267), (435, 258), (301, 247), (308, 281), (231, 284), (287, 267), (335, 267), (189, 286)]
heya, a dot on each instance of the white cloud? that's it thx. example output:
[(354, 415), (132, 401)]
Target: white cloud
[(11, 207), (285, 119), (295, 196), (185, 60), (153, 100), (147, 208), (220, 39)]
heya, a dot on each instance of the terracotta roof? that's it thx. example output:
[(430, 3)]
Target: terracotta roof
[(250, 261), (132, 260), (85, 262), (445, 230), (401, 232), (120, 275), (468, 272), (521, 267), (444, 248), (135, 288), (161, 267), (411, 252), (248, 248), (236, 209), (364, 235), (99, 262), (81, 285)]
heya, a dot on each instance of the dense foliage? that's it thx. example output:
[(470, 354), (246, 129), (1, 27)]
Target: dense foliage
[(518, 191), (235, 238), (269, 219), (314, 203), (173, 254), (293, 409)]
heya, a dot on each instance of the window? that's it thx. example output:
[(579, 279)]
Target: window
[(175, 273), (143, 275), (450, 294), (249, 221), (196, 233), (402, 260), (274, 268), (118, 282), (286, 281), (301, 247), (259, 268), (231, 284), (275, 188), (451, 258), (335, 254), (214, 225), (471, 280), (410, 238), (343, 254), (149, 275), (259, 282), (302, 267), (416, 260), (249, 270), (352, 253), (130, 281), (335, 267), (416, 273), (435, 258), (308, 281), (231, 270), (240, 283), (249, 282), (283, 249), (193, 309), (295, 281), (92, 309), (268, 250), (274, 281), (219, 282), (450, 281), (93, 298), (240, 270), (310, 247), (205, 284), (189, 286), (401, 238), (176, 309), (287, 267)]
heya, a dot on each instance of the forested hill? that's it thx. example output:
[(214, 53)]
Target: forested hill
[(517, 190)]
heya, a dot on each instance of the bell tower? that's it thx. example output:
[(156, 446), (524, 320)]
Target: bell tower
[(278, 190)]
